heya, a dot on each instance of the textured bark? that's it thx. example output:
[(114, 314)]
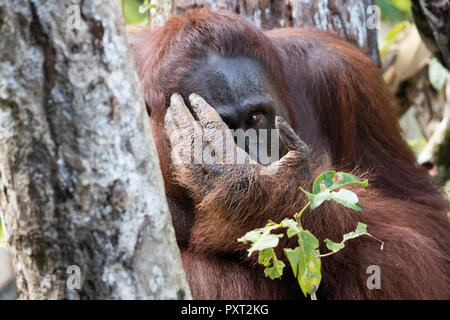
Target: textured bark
[(80, 182), (345, 17), (432, 18)]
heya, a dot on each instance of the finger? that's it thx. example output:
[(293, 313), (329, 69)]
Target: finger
[(208, 117), (169, 123), (175, 133), (185, 142), (289, 137), (181, 130), (180, 112), (180, 140), (179, 123), (216, 132)]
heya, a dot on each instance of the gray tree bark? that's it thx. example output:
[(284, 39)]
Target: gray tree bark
[(432, 18), (80, 182), (352, 19)]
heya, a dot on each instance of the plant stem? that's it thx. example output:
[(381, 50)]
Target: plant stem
[(382, 242), (326, 254), (298, 216)]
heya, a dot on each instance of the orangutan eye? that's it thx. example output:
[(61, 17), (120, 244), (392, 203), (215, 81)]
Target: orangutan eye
[(254, 117)]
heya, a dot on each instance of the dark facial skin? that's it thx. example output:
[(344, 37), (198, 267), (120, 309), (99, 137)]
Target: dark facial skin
[(241, 92)]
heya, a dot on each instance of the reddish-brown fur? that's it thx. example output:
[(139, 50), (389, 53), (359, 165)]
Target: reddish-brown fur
[(337, 103)]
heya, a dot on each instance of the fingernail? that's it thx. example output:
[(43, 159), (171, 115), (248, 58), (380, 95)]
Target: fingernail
[(194, 99), (279, 119), (172, 99)]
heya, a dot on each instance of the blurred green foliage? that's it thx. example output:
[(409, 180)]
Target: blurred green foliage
[(390, 38), (417, 145), (447, 194), (394, 11), (131, 13), (138, 12), (2, 234)]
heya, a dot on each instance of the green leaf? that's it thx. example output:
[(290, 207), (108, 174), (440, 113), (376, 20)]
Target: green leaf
[(261, 238), (293, 256), (331, 180), (292, 226), (346, 198), (265, 256), (334, 246), (308, 274), (317, 199), (361, 230), (276, 271), (437, 74)]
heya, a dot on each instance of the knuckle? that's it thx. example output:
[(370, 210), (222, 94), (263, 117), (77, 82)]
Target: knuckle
[(295, 157), (212, 124)]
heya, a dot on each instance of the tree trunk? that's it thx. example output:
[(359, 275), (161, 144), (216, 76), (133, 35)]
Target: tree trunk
[(432, 18), (80, 184), (355, 20)]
